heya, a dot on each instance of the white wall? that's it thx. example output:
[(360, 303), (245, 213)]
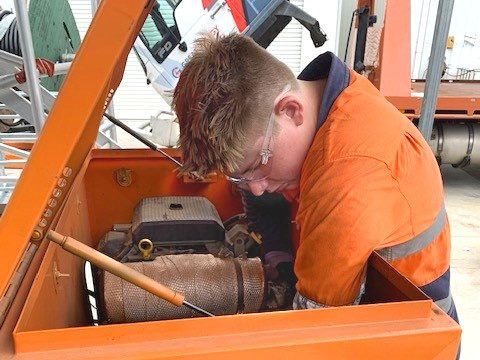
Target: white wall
[(7, 5), (134, 99), (328, 15), (464, 23), (288, 45), (346, 9)]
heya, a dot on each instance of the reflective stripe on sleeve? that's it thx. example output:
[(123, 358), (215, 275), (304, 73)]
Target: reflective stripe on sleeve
[(418, 242), (445, 304)]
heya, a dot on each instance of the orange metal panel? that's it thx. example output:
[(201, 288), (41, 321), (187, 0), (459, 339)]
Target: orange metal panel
[(458, 107), (372, 332), (392, 77), (59, 302), (75, 115), (152, 175)]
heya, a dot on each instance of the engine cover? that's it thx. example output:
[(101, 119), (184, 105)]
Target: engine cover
[(177, 220)]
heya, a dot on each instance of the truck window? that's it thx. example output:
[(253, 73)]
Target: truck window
[(160, 33)]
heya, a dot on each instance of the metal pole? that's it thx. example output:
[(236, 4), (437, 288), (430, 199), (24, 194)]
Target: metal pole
[(15, 151), (8, 179), (141, 138), (12, 162), (9, 80), (31, 72), (435, 63), (126, 273), (10, 117)]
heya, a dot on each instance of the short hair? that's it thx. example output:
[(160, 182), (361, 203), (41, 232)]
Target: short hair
[(223, 98)]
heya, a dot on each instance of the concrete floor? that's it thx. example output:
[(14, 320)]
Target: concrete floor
[(462, 198)]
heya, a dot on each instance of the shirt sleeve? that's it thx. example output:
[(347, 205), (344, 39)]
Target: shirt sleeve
[(269, 215), (348, 208)]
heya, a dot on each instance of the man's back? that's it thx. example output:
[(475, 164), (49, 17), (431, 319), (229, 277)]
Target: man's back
[(369, 182)]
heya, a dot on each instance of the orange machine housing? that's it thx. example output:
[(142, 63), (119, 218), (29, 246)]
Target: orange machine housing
[(77, 193)]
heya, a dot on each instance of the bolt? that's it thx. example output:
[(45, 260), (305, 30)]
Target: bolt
[(37, 235)]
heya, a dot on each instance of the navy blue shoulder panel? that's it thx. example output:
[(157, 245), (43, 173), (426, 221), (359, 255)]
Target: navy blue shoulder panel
[(329, 66)]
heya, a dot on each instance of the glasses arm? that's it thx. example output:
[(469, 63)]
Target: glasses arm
[(267, 150)]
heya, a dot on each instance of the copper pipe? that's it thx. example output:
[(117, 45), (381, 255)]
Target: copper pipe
[(117, 268)]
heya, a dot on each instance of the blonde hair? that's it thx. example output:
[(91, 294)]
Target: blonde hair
[(224, 95)]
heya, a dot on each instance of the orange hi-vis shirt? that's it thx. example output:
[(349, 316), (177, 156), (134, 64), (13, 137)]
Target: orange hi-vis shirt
[(369, 182)]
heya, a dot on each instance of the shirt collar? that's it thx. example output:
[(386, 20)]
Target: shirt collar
[(328, 66)]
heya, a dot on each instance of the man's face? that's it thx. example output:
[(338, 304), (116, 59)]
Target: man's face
[(288, 147), (283, 169)]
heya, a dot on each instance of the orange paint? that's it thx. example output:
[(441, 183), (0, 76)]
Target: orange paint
[(49, 319)]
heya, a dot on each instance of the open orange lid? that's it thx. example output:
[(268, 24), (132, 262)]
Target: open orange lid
[(70, 131)]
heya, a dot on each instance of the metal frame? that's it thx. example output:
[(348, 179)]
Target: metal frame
[(26, 44), (434, 70), (18, 102), (393, 76)]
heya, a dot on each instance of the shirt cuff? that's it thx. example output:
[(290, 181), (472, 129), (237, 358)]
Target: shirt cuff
[(301, 302)]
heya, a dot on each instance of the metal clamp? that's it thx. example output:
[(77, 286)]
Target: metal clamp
[(471, 140), (440, 142)]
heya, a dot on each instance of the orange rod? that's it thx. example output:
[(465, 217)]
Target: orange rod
[(117, 268)]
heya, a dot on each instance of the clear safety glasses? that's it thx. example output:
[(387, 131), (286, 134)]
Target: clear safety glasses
[(261, 169)]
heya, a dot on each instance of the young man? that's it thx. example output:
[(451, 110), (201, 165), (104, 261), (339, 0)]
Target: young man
[(363, 176)]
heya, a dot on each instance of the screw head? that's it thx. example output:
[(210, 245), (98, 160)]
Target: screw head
[(37, 235)]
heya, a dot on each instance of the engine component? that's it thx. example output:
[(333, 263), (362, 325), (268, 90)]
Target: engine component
[(456, 144), (171, 225), (146, 248), (177, 220), (220, 286), (240, 240)]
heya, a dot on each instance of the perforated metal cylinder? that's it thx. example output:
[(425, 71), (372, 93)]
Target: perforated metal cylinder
[(220, 286)]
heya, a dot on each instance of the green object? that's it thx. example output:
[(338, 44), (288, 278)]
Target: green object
[(54, 32)]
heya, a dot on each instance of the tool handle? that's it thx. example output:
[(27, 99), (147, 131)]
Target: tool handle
[(115, 267)]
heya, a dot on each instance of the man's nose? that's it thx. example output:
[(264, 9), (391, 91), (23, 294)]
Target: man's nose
[(258, 187)]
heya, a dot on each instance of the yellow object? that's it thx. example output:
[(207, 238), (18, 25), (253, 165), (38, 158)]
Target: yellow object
[(256, 237), (450, 42)]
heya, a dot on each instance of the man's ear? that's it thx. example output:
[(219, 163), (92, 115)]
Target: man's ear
[(290, 106)]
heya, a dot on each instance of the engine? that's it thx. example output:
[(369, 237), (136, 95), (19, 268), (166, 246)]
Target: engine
[(181, 242)]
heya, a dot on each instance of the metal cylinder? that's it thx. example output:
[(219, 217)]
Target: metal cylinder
[(220, 286), (456, 144)]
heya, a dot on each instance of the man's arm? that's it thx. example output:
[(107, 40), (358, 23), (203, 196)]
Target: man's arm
[(348, 208), (269, 215)]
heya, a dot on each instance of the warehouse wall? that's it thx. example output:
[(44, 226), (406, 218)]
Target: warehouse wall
[(288, 45)]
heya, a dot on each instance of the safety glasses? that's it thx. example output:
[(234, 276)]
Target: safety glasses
[(261, 169)]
